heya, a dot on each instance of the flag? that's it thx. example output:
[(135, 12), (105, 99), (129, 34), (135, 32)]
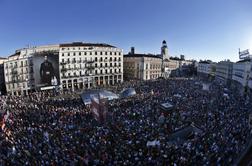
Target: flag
[(95, 107), (4, 120), (103, 109), (99, 108)]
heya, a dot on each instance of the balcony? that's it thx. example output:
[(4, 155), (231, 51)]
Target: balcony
[(63, 70), (90, 67), (63, 63), (90, 61), (14, 72)]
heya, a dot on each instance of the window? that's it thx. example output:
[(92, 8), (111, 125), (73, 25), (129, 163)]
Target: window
[(90, 53), (106, 65), (62, 54), (110, 59), (101, 53), (110, 53), (101, 64), (79, 53), (85, 53), (95, 59), (101, 59), (115, 53), (95, 53), (68, 54), (101, 71), (74, 54), (115, 59), (106, 53), (106, 71)]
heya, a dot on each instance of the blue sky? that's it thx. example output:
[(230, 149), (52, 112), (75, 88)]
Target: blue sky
[(199, 29)]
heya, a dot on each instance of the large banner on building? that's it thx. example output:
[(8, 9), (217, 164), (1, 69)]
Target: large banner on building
[(46, 68)]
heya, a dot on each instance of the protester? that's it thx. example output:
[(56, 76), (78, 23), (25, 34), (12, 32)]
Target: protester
[(43, 129)]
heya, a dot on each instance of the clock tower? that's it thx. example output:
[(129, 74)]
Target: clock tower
[(164, 51)]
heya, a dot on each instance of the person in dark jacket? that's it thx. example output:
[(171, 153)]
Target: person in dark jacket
[(46, 72)]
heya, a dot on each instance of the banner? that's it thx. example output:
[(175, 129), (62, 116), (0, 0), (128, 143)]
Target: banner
[(99, 108), (46, 68), (95, 107)]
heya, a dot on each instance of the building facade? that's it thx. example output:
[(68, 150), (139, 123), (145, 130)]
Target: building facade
[(2, 80), (70, 66), (150, 66), (142, 66), (19, 69), (206, 70), (241, 75), (224, 71), (84, 65)]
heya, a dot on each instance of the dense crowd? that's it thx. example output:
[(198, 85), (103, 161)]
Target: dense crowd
[(46, 130)]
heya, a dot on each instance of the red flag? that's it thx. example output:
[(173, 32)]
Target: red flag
[(95, 107), (99, 108), (103, 109)]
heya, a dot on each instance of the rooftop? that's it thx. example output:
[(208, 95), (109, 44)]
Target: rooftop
[(142, 55), (244, 60), (78, 44)]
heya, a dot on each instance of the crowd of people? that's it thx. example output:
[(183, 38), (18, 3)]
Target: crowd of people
[(42, 129)]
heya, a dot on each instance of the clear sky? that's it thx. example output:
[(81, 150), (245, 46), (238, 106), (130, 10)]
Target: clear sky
[(199, 29)]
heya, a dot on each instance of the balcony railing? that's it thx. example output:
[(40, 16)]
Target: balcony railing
[(90, 67), (90, 61), (63, 70)]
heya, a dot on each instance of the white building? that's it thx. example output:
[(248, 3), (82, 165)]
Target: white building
[(241, 73), (72, 66), (83, 65), (224, 71), (18, 69), (142, 66), (206, 69)]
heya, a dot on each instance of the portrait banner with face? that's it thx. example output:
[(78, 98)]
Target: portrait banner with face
[(46, 68)]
